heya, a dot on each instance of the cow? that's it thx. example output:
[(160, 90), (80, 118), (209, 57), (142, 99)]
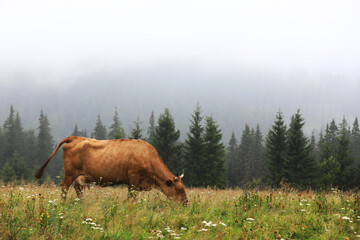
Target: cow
[(121, 161)]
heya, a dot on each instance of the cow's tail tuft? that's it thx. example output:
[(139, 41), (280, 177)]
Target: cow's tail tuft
[(40, 171)]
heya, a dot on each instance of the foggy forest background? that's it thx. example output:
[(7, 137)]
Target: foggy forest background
[(224, 133)]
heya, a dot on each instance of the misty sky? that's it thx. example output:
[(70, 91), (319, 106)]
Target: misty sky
[(66, 37)]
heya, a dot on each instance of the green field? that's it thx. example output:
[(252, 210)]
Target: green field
[(29, 211)]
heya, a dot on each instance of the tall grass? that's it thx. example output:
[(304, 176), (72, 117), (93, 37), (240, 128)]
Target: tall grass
[(30, 211)]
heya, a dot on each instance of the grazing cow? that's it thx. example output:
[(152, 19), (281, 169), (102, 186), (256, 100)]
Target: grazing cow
[(122, 161)]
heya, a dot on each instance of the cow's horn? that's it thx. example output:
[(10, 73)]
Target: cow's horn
[(182, 175)]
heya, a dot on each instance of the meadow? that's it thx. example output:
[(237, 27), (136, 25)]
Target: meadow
[(32, 211)]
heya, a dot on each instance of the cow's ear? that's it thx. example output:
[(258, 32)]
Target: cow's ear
[(169, 183)]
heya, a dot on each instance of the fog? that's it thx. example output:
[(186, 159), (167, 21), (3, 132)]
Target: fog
[(241, 60)]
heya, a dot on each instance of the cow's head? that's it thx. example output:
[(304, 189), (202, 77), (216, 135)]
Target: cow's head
[(175, 189)]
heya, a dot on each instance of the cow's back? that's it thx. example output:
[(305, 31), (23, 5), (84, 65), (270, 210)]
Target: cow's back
[(108, 160)]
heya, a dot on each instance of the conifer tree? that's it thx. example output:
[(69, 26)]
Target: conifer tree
[(343, 156), (260, 169), (355, 141), (194, 150), (116, 130), (326, 149), (329, 172), (214, 166), (276, 150), (299, 166), (166, 142), (76, 131), (99, 131), (136, 133), (30, 142), (333, 133), (13, 139), (231, 158), (45, 146), (151, 130), (244, 168)]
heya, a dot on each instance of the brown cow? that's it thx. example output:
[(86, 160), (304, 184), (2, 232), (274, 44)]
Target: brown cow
[(123, 161)]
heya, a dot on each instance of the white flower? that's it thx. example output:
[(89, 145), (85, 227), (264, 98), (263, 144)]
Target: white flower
[(21, 188), (250, 219), (302, 210), (209, 224), (346, 218), (89, 219), (77, 199), (184, 229), (203, 230), (222, 224)]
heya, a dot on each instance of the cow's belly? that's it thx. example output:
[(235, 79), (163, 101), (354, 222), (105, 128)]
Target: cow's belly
[(106, 168)]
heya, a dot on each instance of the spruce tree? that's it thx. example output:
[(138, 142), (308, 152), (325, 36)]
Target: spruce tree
[(136, 133), (13, 138), (194, 150), (76, 131), (333, 133), (260, 170), (151, 130), (326, 149), (299, 166), (329, 172), (343, 156), (45, 146), (276, 150), (214, 166), (30, 144), (99, 131), (116, 130), (329, 167), (243, 169), (166, 142), (355, 141), (231, 158)]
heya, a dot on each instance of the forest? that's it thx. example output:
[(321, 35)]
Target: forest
[(282, 155)]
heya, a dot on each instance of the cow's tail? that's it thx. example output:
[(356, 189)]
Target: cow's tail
[(39, 172)]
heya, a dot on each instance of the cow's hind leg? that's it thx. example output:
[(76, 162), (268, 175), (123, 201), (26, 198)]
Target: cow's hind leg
[(132, 191), (80, 185), (65, 185)]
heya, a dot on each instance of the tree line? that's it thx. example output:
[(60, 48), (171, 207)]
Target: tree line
[(284, 155)]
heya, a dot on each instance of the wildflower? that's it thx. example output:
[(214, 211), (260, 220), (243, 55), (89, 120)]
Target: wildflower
[(250, 219), (209, 224), (168, 229), (302, 210), (203, 230), (184, 229), (346, 218), (222, 224)]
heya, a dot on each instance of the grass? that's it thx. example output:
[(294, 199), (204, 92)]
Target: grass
[(30, 211)]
